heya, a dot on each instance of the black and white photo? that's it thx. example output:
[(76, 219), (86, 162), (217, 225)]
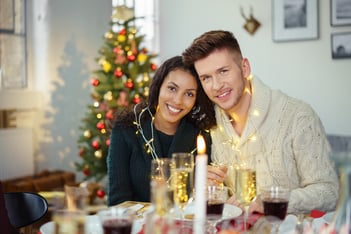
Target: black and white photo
[(340, 12), (341, 45), (295, 20)]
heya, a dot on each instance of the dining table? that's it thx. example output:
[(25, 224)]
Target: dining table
[(231, 217)]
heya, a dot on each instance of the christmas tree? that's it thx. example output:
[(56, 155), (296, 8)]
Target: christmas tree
[(123, 79)]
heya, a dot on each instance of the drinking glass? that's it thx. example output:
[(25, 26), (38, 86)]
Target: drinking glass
[(245, 188), (116, 220), (275, 205), (162, 189), (217, 195), (68, 221), (183, 179)]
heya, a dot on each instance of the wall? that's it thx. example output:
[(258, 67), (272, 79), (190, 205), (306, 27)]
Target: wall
[(303, 69), (63, 41)]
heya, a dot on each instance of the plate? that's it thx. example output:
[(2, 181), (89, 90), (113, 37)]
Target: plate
[(92, 226), (328, 217), (229, 211)]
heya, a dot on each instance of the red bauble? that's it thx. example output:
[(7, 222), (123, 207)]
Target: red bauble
[(109, 114), (118, 73), (95, 145), (95, 82), (117, 50), (136, 100), (131, 57), (100, 193), (108, 142), (122, 32), (153, 66), (100, 125), (81, 152), (86, 171), (129, 84)]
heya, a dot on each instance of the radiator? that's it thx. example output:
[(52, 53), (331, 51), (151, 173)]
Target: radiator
[(16, 152)]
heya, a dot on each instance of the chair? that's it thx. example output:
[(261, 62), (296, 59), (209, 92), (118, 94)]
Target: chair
[(25, 208)]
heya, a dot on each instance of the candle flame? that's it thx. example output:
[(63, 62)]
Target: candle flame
[(201, 146)]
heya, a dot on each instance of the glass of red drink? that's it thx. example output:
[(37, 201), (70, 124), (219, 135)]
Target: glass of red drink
[(116, 220), (217, 195), (275, 205)]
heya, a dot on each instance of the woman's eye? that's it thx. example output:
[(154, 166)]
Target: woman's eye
[(190, 94), (171, 88)]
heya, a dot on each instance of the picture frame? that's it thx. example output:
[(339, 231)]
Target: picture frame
[(295, 20), (341, 45), (340, 12)]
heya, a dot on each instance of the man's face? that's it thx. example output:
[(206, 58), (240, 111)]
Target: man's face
[(222, 78)]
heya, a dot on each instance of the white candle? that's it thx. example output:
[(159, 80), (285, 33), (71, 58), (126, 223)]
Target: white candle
[(200, 186)]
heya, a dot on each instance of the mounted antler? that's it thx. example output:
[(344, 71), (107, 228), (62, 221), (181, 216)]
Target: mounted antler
[(251, 24)]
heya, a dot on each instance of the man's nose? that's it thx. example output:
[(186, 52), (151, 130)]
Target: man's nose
[(216, 83)]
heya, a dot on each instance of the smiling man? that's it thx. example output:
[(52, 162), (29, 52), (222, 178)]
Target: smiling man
[(279, 137)]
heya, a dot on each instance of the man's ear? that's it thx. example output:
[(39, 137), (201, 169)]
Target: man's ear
[(246, 68)]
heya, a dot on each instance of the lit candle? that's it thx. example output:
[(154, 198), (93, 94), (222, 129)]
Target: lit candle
[(200, 186)]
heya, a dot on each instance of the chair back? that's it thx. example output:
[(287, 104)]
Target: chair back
[(25, 208)]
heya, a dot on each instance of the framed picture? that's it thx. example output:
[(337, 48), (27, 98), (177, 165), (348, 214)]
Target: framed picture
[(341, 45), (295, 20), (340, 12)]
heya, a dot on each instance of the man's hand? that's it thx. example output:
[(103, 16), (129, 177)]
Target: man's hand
[(216, 174)]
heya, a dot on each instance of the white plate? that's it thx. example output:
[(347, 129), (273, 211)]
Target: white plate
[(92, 226), (229, 211), (328, 217)]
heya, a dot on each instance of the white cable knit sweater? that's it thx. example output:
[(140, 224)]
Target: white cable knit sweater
[(285, 140)]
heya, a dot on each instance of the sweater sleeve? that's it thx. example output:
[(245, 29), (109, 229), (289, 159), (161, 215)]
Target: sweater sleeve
[(118, 160), (318, 179)]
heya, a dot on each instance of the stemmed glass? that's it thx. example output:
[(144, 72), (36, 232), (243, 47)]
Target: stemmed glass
[(245, 188), (183, 179), (275, 205), (217, 195)]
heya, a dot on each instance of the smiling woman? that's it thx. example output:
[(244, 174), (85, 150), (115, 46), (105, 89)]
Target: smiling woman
[(176, 111)]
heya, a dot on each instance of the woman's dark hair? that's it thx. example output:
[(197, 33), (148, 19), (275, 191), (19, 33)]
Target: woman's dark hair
[(208, 42), (202, 114)]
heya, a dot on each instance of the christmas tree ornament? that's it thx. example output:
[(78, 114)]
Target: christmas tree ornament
[(146, 77), (121, 38), (98, 115), (95, 144), (87, 134), (106, 66), (142, 58), (122, 32), (108, 96), (95, 82), (100, 193), (129, 84), (109, 114), (109, 35), (136, 99), (96, 104), (131, 57), (153, 66), (117, 50), (118, 72), (122, 99), (86, 170), (100, 125), (98, 153), (81, 152), (122, 13), (146, 92), (108, 142)]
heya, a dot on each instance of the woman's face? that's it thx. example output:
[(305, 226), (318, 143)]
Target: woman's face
[(176, 99)]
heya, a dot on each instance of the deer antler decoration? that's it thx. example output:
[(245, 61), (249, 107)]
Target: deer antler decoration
[(251, 24)]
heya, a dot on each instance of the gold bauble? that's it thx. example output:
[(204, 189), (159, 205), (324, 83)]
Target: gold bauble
[(108, 96), (87, 134), (98, 153)]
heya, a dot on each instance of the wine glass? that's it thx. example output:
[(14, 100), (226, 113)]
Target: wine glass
[(162, 188), (245, 188), (217, 195), (183, 179), (275, 205)]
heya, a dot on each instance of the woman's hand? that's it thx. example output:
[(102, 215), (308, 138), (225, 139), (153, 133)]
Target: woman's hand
[(216, 174)]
